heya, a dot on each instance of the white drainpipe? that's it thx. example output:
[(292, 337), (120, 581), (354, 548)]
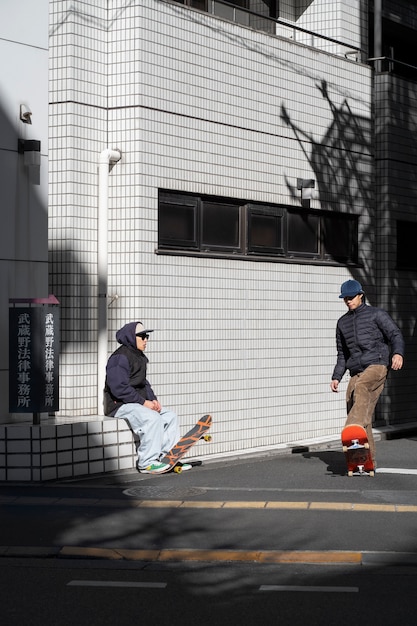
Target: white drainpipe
[(107, 159)]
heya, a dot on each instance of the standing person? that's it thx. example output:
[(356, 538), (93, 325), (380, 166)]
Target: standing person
[(128, 395), (368, 344)]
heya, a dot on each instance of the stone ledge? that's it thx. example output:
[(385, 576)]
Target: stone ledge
[(53, 450)]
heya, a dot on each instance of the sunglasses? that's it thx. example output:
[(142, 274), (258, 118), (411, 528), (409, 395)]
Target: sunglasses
[(348, 298), (142, 336)]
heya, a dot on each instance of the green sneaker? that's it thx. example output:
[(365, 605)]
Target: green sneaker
[(154, 468)]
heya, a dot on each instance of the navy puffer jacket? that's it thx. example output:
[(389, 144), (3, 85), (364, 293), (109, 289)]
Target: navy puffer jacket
[(365, 336)]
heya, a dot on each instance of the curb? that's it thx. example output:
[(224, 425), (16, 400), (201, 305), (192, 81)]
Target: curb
[(288, 557)]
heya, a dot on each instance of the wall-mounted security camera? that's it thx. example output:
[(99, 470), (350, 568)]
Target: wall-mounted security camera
[(25, 114)]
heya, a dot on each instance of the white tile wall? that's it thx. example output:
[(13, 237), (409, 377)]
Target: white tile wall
[(33, 453), (199, 104)]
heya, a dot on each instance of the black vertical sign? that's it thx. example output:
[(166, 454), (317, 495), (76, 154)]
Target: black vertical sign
[(33, 359)]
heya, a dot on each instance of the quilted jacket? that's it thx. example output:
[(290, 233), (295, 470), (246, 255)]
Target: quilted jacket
[(365, 336)]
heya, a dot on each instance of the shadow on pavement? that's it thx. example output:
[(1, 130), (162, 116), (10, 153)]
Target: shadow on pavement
[(334, 460)]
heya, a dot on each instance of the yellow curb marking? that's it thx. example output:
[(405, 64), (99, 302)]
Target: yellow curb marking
[(207, 504), (312, 506), (244, 505), (404, 508), (95, 553), (252, 556), (202, 505), (331, 506), (287, 505), (388, 508)]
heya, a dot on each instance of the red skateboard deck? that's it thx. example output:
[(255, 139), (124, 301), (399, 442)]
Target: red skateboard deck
[(199, 431), (356, 450)]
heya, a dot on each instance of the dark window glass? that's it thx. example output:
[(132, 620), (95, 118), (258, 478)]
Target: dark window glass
[(178, 221), (265, 230), (407, 245), (199, 4), (220, 225), (205, 224), (340, 238), (303, 233)]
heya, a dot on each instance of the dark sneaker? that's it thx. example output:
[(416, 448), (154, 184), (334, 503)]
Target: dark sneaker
[(185, 466), (154, 468)]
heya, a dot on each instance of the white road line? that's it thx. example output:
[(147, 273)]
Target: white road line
[(309, 589), (395, 470), (114, 583)]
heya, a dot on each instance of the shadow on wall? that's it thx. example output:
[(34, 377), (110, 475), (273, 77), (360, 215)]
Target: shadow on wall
[(72, 283), (344, 166), (23, 236)]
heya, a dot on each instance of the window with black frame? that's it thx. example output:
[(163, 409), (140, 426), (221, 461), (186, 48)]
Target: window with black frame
[(406, 245), (261, 7), (220, 226), (303, 234), (210, 225), (340, 238), (265, 230), (178, 221)]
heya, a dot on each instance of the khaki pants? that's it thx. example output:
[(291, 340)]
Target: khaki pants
[(362, 395)]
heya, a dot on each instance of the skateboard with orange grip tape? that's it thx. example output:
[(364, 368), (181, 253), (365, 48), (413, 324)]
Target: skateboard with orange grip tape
[(357, 453), (197, 432)]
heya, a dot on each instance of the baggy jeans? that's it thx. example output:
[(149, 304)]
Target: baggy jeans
[(156, 432), (362, 395)]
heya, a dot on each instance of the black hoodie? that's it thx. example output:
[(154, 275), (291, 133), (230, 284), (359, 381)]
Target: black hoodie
[(126, 373)]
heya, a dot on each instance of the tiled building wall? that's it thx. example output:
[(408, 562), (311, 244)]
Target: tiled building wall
[(230, 111), (396, 158), (34, 453), (343, 20), (202, 105), (78, 133), (401, 11)]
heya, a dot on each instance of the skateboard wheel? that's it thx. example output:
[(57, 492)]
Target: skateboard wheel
[(350, 473), (372, 473), (344, 448), (207, 437), (366, 445), (178, 469)]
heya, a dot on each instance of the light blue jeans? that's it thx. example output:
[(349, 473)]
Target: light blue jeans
[(156, 433)]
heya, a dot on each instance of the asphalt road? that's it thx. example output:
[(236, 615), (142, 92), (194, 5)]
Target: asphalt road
[(275, 502), (63, 593), (276, 539)]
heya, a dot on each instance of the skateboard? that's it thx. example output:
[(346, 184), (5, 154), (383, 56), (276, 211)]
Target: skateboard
[(199, 431), (356, 449)]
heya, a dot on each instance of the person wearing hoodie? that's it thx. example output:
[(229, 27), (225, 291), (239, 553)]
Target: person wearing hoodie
[(128, 395), (368, 343)]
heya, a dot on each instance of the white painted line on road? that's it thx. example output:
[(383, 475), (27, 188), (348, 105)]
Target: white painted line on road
[(303, 589), (114, 583), (396, 470)]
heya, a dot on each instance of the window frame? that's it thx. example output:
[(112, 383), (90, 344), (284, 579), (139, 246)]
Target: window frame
[(245, 244)]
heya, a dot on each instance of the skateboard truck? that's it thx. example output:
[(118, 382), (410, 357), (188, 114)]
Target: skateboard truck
[(178, 468), (357, 451), (198, 432)]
